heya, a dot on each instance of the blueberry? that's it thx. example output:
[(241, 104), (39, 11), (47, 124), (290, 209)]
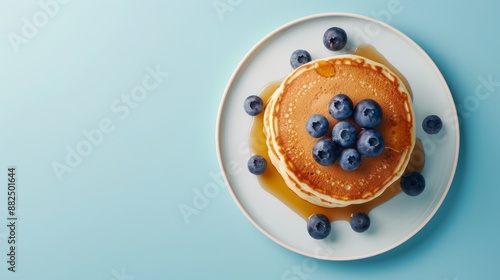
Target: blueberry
[(299, 57), (432, 124), (317, 125), (257, 165), (340, 107), (253, 105), (367, 113), (325, 152), (370, 143), (318, 226), (350, 159), (335, 39), (412, 183), (344, 134), (360, 222)]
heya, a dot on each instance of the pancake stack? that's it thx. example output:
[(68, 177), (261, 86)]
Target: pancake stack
[(307, 91)]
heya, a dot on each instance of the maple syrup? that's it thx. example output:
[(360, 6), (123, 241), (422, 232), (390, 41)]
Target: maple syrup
[(325, 69), (272, 181)]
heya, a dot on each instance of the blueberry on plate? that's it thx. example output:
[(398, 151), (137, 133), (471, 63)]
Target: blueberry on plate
[(257, 164), (340, 107), (432, 124), (253, 105), (325, 152), (317, 125), (360, 222), (299, 58), (412, 183), (367, 113), (349, 159), (318, 226), (344, 134), (370, 143), (335, 38)]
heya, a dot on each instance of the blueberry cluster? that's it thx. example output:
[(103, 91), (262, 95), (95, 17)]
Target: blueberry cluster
[(334, 39), (319, 226), (254, 105), (345, 143)]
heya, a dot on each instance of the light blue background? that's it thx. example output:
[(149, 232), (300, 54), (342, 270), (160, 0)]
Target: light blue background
[(116, 215)]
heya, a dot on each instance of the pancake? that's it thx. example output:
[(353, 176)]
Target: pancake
[(308, 90)]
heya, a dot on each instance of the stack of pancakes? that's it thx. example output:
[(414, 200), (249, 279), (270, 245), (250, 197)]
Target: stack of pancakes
[(307, 91)]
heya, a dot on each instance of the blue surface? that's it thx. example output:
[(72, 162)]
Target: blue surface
[(69, 68)]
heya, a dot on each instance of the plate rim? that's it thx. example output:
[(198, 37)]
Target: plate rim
[(245, 60)]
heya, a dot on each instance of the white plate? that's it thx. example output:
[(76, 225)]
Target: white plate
[(393, 222)]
